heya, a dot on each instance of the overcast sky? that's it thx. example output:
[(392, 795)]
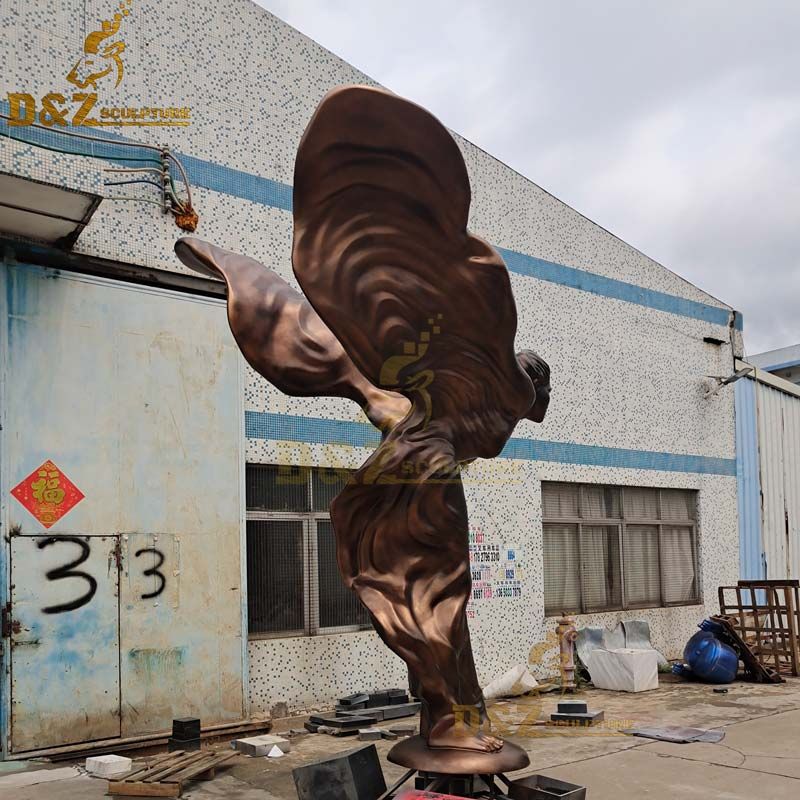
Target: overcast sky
[(675, 124)]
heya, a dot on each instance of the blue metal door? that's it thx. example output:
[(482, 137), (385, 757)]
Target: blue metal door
[(122, 437), (64, 640)]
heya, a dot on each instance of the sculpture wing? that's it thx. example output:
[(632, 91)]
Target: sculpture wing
[(382, 251), (283, 338)]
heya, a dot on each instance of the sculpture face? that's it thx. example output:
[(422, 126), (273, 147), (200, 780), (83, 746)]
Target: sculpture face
[(412, 317), (539, 373)]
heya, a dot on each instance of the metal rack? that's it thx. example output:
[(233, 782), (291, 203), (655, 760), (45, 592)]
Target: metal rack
[(766, 616)]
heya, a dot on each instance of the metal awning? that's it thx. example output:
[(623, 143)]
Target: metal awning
[(43, 212)]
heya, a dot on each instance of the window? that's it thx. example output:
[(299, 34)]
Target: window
[(293, 581), (617, 547)]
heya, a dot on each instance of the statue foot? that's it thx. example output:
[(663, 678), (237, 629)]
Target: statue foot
[(446, 735)]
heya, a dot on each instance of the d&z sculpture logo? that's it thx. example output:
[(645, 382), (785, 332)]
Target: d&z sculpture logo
[(101, 63)]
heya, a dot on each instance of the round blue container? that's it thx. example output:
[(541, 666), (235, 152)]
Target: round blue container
[(710, 659)]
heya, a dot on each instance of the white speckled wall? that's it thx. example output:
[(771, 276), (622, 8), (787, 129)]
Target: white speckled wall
[(622, 334)]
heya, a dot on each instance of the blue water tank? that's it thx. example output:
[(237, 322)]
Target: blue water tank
[(710, 659)]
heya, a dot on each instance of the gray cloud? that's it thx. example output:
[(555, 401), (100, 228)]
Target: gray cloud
[(675, 125)]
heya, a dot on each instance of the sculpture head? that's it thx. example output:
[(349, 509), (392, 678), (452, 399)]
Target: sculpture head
[(536, 369), (101, 57)]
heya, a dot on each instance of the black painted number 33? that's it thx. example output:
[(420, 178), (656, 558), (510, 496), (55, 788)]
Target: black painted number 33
[(69, 571)]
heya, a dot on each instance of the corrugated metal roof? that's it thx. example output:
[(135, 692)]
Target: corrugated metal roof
[(775, 359)]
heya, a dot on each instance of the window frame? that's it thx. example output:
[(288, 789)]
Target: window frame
[(311, 598), (621, 524)]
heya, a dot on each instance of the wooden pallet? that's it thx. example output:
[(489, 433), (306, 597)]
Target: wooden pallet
[(165, 775)]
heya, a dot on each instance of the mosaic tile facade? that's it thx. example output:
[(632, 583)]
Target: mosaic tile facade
[(623, 335)]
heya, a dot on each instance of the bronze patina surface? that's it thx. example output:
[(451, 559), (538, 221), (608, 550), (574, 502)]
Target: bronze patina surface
[(412, 317), (414, 753)]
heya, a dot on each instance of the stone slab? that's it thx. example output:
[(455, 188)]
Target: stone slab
[(357, 700), (587, 719), (573, 707), (258, 746), (345, 721), (381, 713)]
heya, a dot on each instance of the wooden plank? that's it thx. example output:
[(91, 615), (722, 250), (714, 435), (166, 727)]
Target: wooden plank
[(212, 762), (189, 772), (140, 789), (152, 763), (173, 766), (161, 765), (166, 766)]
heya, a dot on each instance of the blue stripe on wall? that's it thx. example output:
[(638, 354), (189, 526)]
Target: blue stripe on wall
[(313, 430), (610, 287), (751, 558), (274, 194)]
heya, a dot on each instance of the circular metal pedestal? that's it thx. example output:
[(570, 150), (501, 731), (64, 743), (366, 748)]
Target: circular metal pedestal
[(414, 753)]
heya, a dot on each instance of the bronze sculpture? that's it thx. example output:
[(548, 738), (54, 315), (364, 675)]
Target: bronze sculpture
[(413, 318)]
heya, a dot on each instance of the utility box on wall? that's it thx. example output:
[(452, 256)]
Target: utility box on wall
[(122, 474)]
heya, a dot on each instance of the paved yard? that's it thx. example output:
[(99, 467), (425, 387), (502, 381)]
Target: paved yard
[(758, 758)]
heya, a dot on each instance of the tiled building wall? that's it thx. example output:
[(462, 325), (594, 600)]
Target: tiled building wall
[(623, 335)]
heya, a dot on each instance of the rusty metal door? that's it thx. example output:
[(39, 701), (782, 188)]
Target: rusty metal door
[(127, 401), (64, 640)]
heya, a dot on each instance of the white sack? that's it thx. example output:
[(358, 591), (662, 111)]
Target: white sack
[(624, 670), (518, 680)]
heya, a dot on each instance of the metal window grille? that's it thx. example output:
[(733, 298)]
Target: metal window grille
[(608, 548), (293, 583)]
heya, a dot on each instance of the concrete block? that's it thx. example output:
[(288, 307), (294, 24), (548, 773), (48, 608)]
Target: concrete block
[(404, 730), (370, 734), (103, 766), (261, 745), (355, 775)]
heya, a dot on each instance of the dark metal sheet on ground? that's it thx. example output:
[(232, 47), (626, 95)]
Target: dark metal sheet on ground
[(678, 734)]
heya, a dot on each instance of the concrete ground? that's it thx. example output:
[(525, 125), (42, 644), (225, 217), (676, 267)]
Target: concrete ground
[(758, 758)]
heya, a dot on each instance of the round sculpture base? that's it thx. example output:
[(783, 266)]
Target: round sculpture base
[(414, 753)]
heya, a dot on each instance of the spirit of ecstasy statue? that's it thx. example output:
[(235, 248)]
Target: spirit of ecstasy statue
[(412, 317)]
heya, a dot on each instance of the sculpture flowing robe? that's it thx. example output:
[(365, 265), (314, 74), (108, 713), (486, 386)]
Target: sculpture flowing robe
[(413, 318)]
